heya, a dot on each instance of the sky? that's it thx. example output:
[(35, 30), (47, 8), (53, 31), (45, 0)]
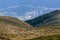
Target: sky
[(27, 9)]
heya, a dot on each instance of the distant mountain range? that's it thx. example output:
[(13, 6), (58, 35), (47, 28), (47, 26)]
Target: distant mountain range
[(52, 18)]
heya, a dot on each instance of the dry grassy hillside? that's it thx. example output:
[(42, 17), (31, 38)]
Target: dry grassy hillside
[(10, 32), (14, 29), (14, 21), (11, 27), (47, 33)]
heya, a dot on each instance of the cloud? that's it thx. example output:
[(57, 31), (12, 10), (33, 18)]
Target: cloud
[(28, 15), (55, 8), (40, 11), (12, 14), (46, 8), (28, 5), (21, 17), (14, 6), (31, 14), (9, 7)]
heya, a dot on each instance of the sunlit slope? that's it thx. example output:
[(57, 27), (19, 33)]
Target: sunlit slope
[(10, 31), (14, 21), (11, 27)]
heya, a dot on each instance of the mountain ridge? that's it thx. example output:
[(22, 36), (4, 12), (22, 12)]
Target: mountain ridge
[(52, 16)]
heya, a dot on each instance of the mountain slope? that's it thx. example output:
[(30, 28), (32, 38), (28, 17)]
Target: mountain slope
[(14, 21), (49, 37), (47, 33), (14, 29), (11, 27), (52, 18)]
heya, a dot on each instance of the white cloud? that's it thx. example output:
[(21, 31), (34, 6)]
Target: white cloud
[(26, 16), (21, 17), (14, 6), (38, 12), (12, 14), (56, 8), (30, 15), (45, 8)]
